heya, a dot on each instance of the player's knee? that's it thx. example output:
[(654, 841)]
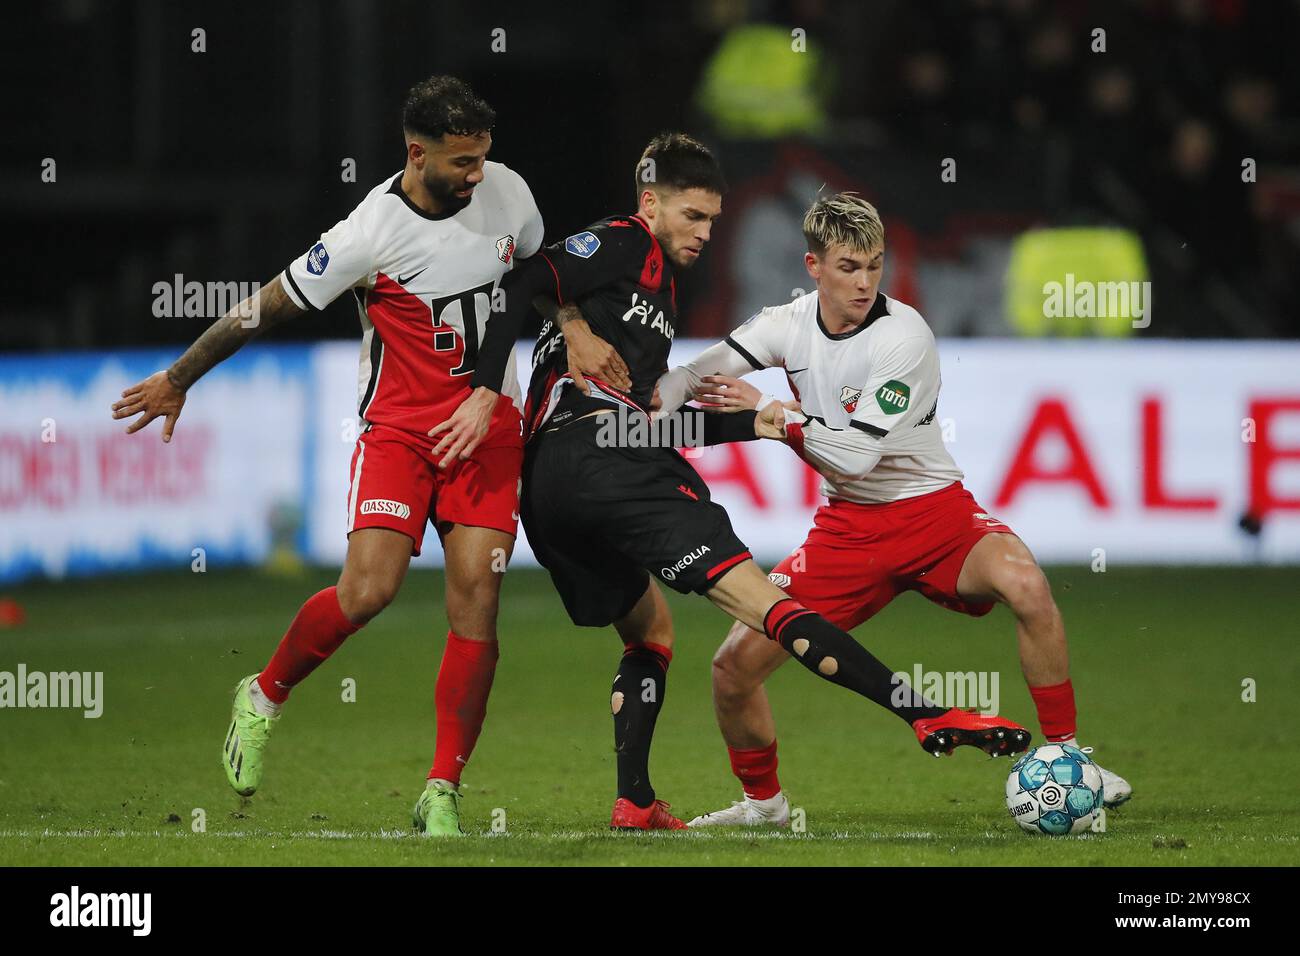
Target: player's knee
[(472, 609), (1026, 591), (363, 599), (731, 679)]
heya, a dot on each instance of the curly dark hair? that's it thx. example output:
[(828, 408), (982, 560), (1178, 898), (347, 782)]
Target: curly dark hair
[(680, 162), (444, 104)]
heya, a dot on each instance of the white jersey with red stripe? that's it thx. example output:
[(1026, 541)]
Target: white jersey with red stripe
[(869, 395), (424, 287)]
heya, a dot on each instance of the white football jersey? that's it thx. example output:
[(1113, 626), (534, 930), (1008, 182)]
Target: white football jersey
[(423, 285), (874, 390)]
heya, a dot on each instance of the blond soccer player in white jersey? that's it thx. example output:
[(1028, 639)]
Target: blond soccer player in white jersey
[(865, 370)]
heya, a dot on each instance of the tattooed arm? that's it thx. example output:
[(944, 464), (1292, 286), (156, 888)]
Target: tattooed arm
[(163, 393), (586, 350)]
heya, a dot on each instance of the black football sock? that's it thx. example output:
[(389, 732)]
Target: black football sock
[(834, 655), (637, 695)]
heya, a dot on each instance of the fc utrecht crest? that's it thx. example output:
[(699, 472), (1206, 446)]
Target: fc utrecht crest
[(505, 248), (849, 398)]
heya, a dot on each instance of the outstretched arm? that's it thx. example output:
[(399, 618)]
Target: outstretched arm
[(689, 381), (163, 393)]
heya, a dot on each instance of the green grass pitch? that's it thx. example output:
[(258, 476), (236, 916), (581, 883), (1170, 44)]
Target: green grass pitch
[(1159, 657)]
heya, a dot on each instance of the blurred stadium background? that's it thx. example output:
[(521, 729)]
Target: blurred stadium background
[(1008, 146)]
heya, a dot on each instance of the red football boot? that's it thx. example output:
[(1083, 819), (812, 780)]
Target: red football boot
[(628, 816), (993, 735)]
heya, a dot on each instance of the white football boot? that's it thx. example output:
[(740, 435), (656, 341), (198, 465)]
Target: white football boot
[(1114, 788), (747, 812)]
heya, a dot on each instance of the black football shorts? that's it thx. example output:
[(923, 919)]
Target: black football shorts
[(602, 520)]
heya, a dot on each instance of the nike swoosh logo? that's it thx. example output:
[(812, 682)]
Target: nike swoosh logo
[(402, 280), (795, 371)]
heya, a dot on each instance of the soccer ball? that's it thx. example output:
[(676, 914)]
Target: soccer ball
[(1055, 790)]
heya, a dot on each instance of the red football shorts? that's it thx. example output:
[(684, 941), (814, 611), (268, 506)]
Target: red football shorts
[(397, 484), (858, 557)]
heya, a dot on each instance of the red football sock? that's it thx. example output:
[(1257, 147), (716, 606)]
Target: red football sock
[(461, 696), (757, 771), (316, 632), (1056, 714)]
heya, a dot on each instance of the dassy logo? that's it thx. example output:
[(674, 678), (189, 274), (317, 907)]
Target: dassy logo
[(892, 397), (505, 248), (103, 909), (670, 574), (383, 506), (849, 398)]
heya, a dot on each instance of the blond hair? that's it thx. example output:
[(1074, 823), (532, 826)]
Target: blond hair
[(843, 219)]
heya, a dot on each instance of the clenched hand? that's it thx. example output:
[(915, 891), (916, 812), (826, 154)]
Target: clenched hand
[(770, 422)]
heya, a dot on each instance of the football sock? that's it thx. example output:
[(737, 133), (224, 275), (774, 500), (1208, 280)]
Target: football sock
[(756, 770), (460, 697), (316, 632), (1056, 713), (832, 654), (637, 695), (261, 703)]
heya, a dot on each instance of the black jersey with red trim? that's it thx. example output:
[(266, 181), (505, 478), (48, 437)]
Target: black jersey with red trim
[(617, 274)]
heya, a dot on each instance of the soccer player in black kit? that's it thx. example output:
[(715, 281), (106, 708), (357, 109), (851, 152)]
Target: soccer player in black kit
[(604, 517)]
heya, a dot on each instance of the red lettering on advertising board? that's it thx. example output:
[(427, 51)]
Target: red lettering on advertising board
[(133, 468), (1265, 456), (34, 471), (1051, 420), (728, 464), (1154, 494)]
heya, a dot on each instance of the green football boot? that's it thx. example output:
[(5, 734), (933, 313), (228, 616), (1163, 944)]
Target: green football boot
[(245, 742), (437, 812)]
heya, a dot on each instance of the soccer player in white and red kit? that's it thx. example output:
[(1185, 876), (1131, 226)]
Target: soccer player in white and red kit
[(422, 255), (865, 370)]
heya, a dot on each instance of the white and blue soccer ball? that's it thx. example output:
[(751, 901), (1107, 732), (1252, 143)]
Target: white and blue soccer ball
[(1054, 789)]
